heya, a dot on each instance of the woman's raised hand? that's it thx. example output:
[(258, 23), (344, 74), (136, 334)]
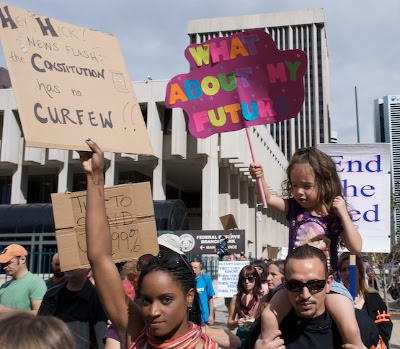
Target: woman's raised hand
[(92, 161)]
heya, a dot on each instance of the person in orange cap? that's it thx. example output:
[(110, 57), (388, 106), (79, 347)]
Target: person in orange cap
[(25, 290)]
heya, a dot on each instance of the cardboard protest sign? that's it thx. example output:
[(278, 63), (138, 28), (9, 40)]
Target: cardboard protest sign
[(364, 170), (238, 81), (130, 215), (228, 222), (70, 83)]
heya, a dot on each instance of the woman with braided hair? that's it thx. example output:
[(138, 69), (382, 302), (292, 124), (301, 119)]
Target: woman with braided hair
[(167, 314)]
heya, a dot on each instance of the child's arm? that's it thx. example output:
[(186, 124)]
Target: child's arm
[(274, 202), (274, 313), (342, 311), (350, 235)]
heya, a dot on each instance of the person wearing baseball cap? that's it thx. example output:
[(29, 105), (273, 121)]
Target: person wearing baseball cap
[(25, 290)]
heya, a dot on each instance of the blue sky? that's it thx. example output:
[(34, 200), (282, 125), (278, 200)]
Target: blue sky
[(363, 42)]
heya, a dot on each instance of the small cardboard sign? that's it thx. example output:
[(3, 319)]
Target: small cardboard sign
[(70, 83), (130, 213), (238, 81), (228, 222)]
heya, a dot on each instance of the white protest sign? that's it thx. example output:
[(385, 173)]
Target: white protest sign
[(228, 275), (364, 170)]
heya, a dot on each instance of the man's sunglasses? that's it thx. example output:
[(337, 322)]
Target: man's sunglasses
[(167, 260), (250, 279), (314, 286)]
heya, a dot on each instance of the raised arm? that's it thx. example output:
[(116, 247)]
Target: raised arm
[(118, 307), (274, 202), (350, 235)]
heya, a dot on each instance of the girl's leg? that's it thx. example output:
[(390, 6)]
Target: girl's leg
[(274, 313), (342, 311)]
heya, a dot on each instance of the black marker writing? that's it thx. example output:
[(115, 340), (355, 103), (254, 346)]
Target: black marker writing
[(76, 117), (42, 66), (5, 21)]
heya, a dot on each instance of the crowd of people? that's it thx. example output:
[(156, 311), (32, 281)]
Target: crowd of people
[(167, 301)]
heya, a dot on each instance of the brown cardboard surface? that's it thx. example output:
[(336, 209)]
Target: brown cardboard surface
[(70, 83), (130, 214), (228, 222)]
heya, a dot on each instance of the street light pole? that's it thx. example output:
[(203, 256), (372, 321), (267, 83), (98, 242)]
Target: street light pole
[(358, 126)]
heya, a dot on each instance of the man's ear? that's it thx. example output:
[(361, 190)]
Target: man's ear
[(22, 260), (190, 297), (329, 282)]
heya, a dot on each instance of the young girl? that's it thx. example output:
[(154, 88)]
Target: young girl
[(166, 289), (317, 215), (244, 304)]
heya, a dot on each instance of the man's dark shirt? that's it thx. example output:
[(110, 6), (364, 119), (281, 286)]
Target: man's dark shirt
[(50, 283), (80, 310), (319, 332)]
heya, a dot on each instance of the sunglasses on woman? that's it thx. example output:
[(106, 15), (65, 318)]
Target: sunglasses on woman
[(167, 260), (314, 286), (250, 279)]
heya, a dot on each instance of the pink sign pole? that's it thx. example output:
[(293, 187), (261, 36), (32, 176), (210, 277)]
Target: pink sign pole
[(259, 182)]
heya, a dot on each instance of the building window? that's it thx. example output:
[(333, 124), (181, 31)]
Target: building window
[(16, 115), (171, 192), (143, 109), (132, 177), (1, 126), (165, 118), (5, 189), (191, 199), (40, 187), (79, 182)]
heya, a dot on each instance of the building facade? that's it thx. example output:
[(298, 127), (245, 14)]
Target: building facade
[(304, 30), (209, 175), (387, 129)]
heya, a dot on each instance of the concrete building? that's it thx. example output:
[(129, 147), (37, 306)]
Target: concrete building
[(387, 129), (210, 175), (304, 30)]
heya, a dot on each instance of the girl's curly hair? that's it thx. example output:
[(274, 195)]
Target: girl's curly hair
[(325, 172), (324, 168)]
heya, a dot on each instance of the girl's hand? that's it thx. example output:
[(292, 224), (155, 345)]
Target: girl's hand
[(339, 204), (92, 161), (256, 170), (241, 321)]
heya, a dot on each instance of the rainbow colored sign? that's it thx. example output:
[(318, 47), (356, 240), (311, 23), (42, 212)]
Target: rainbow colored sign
[(238, 81)]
